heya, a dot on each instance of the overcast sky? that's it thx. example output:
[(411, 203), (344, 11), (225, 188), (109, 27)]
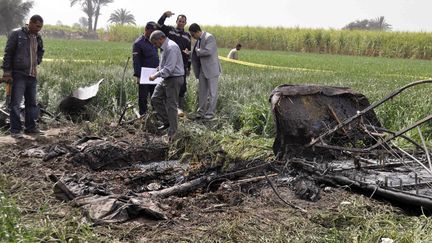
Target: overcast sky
[(403, 15)]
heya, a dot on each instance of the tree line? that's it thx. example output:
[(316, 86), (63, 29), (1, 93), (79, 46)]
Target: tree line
[(14, 12)]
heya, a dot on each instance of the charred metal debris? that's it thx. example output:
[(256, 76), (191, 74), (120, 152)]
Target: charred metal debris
[(332, 134), (325, 136)]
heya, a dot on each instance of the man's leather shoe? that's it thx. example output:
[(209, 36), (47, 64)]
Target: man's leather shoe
[(17, 135), (34, 132), (163, 127)]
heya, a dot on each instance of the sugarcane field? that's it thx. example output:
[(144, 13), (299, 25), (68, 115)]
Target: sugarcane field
[(163, 129)]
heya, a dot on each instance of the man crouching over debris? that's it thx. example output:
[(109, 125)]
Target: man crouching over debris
[(23, 52), (166, 94)]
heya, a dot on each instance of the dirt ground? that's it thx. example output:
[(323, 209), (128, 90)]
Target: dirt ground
[(250, 213)]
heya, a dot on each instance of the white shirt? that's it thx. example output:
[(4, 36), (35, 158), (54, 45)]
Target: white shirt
[(233, 54)]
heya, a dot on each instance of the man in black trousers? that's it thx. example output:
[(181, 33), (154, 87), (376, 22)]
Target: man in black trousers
[(23, 53), (144, 54)]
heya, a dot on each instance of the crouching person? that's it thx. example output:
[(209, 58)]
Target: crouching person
[(171, 70)]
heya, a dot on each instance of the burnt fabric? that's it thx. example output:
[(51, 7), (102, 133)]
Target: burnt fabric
[(100, 205)]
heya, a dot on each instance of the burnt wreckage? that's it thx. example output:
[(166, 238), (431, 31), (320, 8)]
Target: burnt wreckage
[(333, 135)]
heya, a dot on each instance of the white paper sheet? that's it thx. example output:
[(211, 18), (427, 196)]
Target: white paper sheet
[(146, 73)]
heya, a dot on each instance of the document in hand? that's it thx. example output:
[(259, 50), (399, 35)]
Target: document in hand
[(146, 73)]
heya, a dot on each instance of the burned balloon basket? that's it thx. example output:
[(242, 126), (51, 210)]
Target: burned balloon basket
[(333, 134)]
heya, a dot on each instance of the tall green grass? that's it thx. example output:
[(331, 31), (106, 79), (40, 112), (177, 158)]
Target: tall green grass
[(18, 226), (416, 45), (243, 90)]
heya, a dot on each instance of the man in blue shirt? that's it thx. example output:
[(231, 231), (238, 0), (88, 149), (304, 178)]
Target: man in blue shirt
[(166, 95), (144, 54)]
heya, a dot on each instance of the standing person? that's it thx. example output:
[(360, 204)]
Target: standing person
[(183, 40), (144, 54), (166, 95), (233, 54), (206, 66), (23, 53)]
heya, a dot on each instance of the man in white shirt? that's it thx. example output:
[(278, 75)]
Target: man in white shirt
[(233, 54)]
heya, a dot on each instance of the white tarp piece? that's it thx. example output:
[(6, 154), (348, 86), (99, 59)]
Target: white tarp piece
[(146, 73), (84, 93), (74, 103)]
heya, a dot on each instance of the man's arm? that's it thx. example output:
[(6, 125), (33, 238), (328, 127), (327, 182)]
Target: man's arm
[(209, 49), (9, 54), (165, 28), (40, 51), (137, 59), (162, 19), (169, 64)]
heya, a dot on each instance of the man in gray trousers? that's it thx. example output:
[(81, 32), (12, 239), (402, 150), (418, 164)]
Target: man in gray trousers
[(166, 94), (206, 66)]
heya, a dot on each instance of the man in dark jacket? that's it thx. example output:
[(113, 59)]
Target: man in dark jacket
[(23, 53), (144, 54), (183, 39)]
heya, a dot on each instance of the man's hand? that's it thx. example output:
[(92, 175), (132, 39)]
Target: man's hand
[(152, 77), (7, 78), (186, 51), (169, 13)]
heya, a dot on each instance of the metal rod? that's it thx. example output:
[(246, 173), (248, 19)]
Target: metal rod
[(122, 82), (364, 111), (382, 129), (368, 149), (399, 133), (414, 158), (425, 147)]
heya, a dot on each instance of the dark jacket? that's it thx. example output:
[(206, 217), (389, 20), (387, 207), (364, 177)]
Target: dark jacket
[(180, 37), (144, 54), (16, 57)]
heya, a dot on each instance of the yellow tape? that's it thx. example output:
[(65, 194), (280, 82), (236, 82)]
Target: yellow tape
[(250, 64), (71, 60), (404, 75)]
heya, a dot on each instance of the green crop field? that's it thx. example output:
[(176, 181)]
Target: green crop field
[(245, 122), (244, 90)]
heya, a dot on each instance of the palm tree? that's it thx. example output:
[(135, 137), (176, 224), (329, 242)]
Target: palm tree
[(13, 13), (369, 24), (88, 9), (92, 9), (357, 25), (380, 24), (98, 4), (122, 17)]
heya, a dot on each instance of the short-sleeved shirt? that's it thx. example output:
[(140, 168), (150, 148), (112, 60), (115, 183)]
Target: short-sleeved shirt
[(233, 54)]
